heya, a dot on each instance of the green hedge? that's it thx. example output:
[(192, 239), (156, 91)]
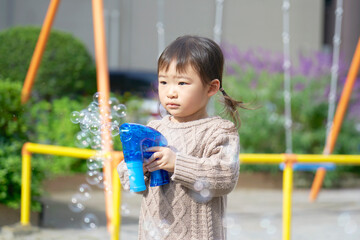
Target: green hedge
[(13, 134), (66, 67)]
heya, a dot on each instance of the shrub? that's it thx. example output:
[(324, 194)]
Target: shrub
[(12, 136), (66, 67)]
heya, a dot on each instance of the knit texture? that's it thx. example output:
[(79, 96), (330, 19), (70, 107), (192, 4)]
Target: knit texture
[(192, 206)]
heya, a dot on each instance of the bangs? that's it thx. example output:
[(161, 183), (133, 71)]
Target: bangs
[(181, 53)]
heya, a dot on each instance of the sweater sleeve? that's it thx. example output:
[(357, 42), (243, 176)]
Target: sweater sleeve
[(217, 171)]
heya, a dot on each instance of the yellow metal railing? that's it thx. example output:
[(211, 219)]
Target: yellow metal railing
[(30, 148), (288, 159)]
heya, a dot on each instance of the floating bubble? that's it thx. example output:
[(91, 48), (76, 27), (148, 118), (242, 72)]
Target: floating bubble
[(125, 133), (84, 127), (83, 139), (94, 163), (90, 221), (96, 98), (115, 119), (125, 211), (93, 108), (92, 177), (265, 222), (75, 117), (357, 127), (351, 227), (105, 112), (120, 110), (228, 222), (205, 193), (100, 179), (94, 128), (113, 102), (271, 230), (114, 130), (82, 115), (95, 142), (198, 186), (76, 203), (343, 219), (85, 191)]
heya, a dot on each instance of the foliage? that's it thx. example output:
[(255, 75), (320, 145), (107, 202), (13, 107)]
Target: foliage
[(12, 136), (262, 130), (66, 67)]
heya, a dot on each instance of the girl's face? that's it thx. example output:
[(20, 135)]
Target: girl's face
[(184, 95)]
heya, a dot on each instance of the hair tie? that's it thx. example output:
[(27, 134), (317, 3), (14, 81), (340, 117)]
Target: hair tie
[(223, 91)]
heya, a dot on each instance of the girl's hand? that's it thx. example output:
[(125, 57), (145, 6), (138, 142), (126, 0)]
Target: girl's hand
[(162, 158)]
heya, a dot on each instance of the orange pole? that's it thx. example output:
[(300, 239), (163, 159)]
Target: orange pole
[(338, 119), (39, 50), (104, 90)]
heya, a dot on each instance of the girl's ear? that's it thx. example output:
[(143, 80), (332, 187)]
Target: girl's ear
[(214, 87)]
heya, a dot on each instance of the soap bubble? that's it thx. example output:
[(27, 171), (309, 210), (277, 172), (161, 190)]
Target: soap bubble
[(357, 127), (82, 115), (202, 192), (76, 203), (90, 221), (125, 211), (105, 112), (93, 108), (84, 127), (94, 128), (113, 102), (85, 190), (268, 225), (94, 163), (125, 133), (83, 139), (351, 227), (95, 142), (120, 110), (228, 222), (100, 179), (346, 221), (114, 130), (75, 117), (92, 177), (96, 98), (198, 186)]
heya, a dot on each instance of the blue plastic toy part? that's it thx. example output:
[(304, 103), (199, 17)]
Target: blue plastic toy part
[(310, 167), (136, 138)]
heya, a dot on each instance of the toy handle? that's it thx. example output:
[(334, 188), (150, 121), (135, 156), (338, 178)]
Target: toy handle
[(136, 176), (158, 177)]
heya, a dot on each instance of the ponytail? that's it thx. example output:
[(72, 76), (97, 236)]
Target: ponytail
[(231, 107)]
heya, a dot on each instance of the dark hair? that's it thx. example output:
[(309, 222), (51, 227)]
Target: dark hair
[(207, 59)]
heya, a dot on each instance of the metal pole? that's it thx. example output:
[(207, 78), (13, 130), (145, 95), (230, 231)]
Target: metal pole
[(39, 50), (104, 90)]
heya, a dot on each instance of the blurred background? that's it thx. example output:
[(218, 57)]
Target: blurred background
[(131, 25), (251, 35)]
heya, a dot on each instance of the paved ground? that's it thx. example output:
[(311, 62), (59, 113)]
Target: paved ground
[(252, 214)]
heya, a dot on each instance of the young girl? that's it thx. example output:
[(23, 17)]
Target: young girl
[(202, 153)]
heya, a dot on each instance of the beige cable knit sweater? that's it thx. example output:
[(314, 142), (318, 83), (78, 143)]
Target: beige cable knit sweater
[(192, 205)]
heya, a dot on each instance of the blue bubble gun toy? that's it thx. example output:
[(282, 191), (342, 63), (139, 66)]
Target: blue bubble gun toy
[(136, 138)]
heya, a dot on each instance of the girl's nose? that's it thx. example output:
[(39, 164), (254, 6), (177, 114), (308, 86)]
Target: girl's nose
[(172, 93)]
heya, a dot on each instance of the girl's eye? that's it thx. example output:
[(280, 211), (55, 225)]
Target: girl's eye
[(182, 83), (162, 82)]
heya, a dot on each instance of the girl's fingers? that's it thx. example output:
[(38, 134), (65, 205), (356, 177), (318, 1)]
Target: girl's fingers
[(152, 167), (153, 157), (154, 149)]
